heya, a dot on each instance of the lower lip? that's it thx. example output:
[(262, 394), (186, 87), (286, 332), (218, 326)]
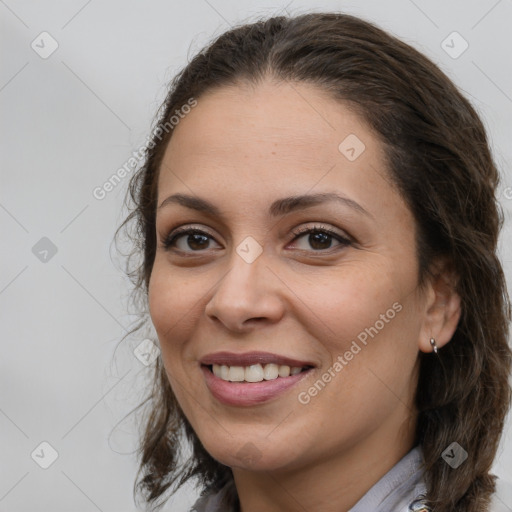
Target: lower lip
[(249, 393)]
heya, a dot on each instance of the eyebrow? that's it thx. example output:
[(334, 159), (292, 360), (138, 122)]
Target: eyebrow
[(278, 208)]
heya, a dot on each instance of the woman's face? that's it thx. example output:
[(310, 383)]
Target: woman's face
[(256, 294)]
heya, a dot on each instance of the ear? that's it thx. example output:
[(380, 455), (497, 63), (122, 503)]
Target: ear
[(441, 307)]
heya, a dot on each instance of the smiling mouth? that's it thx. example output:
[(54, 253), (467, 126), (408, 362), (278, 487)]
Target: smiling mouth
[(255, 372)]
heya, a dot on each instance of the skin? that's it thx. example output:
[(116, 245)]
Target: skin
[(241, 148)]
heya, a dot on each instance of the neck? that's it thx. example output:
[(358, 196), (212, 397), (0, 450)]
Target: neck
[(335, 483)]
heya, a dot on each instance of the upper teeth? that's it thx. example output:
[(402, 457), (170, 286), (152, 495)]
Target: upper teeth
[(254, 373)]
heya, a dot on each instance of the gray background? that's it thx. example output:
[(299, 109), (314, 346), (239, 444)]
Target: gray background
[(69, 121)]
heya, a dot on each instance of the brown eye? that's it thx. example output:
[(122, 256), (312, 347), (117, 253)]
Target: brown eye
[(188, 240), (320, 238)]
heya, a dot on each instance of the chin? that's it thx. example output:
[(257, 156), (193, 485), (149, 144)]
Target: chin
[(253, 455)]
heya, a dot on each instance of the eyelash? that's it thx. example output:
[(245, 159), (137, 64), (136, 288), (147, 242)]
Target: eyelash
[(344, 241)]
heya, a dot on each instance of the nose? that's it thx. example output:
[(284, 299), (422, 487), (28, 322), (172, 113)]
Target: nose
[(249, 294)]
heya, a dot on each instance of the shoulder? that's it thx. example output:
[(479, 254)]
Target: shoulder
[(502, 498)]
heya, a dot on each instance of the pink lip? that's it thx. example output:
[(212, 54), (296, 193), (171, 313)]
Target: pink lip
[(249, 393), (248, 358)]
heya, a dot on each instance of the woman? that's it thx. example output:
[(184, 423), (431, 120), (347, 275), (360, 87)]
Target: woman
[(318, 225)]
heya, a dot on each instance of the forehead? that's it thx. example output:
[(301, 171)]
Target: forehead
[(271, 140), (283, 119)]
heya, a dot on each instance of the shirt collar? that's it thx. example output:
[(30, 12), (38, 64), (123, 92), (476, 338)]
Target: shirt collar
[(398, 489)]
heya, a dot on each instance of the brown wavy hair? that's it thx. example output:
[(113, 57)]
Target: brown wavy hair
[(439, 159)]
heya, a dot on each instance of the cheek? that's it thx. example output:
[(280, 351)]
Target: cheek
[(371, 374), (172, 301), (173, 307), (162, 302), (351, 300)]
